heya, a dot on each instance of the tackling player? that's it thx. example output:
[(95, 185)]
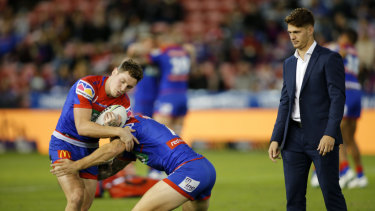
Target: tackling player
[(76, 135), (190, 175)]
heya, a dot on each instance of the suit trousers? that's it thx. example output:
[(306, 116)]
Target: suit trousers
[(297, 157)]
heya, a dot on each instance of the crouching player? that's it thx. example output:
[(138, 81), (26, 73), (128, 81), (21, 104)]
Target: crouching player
[(191, 176)]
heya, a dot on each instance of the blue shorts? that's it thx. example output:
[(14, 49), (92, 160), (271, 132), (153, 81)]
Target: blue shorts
[(59, 149), (171, 104), (353, 103), (194, 179), (145, 108)]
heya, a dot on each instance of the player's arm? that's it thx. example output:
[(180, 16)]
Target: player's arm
[(99, 156), (192, 53), (139, 52), (109, 169), (85, 127)]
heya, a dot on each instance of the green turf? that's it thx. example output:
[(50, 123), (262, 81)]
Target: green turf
[(245, 181)]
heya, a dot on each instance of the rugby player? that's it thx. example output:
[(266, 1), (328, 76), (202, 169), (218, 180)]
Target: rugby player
[(174, 62), (169, 63), (76, 135), (191, 176)]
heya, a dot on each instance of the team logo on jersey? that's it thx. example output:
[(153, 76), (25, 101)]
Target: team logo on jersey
[(64, 154), (173, 143), (188, 184), (85, 89)]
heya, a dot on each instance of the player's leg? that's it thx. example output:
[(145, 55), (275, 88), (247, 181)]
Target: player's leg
[(346, 174), (198, 205), (74, 189), (178, 123), (361, 179), (79, 193), (160, 197), (89, 193), (163, 119)]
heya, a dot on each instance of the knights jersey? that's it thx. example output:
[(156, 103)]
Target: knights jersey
[(88, 92), (160, 147), (174, 66), (351, 64)]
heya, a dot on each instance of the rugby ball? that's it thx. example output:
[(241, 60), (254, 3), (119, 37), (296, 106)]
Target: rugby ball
[(117, 110)]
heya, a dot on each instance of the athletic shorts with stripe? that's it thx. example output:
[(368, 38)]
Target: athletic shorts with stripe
[(59, 149), (194, 179)]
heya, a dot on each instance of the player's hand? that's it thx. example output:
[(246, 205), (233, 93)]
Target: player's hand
[(63, 167), (326, 145), (111, 119), (127, 138), (273, 151)]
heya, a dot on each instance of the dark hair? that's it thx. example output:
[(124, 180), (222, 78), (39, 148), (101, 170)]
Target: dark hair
[(300, 17), (134, 69), (351, 34)]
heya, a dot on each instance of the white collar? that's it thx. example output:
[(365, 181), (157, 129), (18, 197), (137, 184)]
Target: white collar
[(309, 51)]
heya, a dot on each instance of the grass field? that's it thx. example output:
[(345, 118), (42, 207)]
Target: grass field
[(245, 181)]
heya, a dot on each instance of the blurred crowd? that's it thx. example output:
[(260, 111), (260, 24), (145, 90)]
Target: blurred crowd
[(45, 46)]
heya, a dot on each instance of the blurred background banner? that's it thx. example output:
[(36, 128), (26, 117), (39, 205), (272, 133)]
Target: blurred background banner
[(198, 99), (255, 126)]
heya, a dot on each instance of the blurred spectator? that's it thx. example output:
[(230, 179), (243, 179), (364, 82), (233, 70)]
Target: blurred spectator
[(245, 79), (240, 44)]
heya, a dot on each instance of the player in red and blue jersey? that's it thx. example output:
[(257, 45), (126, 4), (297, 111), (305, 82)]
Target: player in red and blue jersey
[(76, 135), (191, 176), (345, 46), (174, 62)]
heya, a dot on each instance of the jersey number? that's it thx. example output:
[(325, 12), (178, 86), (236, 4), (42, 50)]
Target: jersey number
[(180, 65)]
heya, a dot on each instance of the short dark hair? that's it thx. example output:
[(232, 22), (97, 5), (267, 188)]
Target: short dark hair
[(134, 69), (300, 17), (351, 34)]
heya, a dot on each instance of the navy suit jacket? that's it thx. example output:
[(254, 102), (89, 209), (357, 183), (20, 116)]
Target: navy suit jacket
[(322, 98)]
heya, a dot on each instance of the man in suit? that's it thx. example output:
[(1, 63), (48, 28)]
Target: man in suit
[(307, 127)]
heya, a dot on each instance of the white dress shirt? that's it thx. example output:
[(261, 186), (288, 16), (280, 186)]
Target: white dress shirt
[(300, 73)]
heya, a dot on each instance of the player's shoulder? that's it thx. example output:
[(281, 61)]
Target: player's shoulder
[(88, 86)]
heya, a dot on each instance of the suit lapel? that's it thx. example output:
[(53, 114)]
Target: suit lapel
[(309, 69), (292, 77)]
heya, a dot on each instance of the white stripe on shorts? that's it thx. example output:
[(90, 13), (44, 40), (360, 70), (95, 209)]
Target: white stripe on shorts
[(74, 142)]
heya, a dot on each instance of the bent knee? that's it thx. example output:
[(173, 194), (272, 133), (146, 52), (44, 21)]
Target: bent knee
[(76, 197)]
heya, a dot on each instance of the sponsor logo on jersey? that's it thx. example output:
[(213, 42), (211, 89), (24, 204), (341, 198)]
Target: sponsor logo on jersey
[(64, 154), (85, 89), (142, 157), (173, 143), (189, 185)]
